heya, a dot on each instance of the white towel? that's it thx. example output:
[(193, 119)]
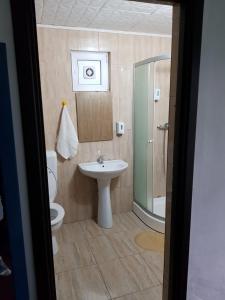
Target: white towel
[(67, 141)]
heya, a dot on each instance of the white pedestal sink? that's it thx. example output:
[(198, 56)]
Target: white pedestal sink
[(104, 173)]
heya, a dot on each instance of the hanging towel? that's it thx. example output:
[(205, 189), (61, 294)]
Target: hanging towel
[(67, 141)]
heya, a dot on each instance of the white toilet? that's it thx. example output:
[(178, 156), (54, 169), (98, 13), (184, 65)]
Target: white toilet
[(56, 211)]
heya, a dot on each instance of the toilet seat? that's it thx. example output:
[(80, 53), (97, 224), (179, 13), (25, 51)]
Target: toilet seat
[(57, 213)]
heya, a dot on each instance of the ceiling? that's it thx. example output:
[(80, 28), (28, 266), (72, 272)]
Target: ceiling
[(119, 15)]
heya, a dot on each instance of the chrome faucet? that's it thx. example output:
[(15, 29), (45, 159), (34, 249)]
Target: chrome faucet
[(100, 159)]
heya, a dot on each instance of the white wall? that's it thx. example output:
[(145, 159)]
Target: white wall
[(207, 246), (6, 36)]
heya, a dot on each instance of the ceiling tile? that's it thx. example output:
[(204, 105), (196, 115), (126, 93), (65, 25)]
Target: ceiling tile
[(115, 4), (39, 10), (82, 2), (49, 11), (97, 3), (139, 7), (106, 14), (75, 16), (63, 11), (88, 16)]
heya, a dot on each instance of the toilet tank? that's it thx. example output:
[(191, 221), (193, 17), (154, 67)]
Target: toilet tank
[(52, 174)]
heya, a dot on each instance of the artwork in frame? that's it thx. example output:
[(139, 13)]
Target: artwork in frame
[(90, 71)]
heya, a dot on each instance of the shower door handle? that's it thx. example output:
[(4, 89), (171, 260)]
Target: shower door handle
[(165, 126), (150, 141)]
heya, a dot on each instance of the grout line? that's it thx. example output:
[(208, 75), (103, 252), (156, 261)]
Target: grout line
[(78, 268), (103, 279), (153, 271), (101, 275), (88, 242)]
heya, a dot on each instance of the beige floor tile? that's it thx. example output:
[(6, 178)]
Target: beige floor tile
[(154, 293), (117, 280), (121, 222), (64, 286), (123, 243), (117, 226), (155, 261), (91, 258), (137, 221), (102, 249), (127, 275), (140, 271), (81, 284), (128, 222), (73, 255), (71, 232), (91, 228)]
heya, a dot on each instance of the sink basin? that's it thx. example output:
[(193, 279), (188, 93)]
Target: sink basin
[(109, 169), (104, 173)]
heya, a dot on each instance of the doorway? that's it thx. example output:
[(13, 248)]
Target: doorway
[(128, 240), (46, 199)]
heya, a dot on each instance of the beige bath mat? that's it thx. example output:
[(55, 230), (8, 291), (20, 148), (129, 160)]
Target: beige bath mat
[(150, 240)]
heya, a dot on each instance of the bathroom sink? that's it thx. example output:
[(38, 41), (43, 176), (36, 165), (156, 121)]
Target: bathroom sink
[(104, 173), (109, 169)]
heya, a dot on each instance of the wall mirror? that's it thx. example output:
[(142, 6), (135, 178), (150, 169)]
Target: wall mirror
[(94, 116)]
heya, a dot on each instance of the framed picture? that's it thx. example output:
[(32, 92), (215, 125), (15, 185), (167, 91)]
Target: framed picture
[(90, 71)]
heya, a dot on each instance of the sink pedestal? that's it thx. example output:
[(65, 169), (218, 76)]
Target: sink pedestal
[(104, 173), (104, 203)]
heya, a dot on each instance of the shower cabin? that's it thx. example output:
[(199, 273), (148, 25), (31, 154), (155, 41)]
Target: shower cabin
[(150, 134)]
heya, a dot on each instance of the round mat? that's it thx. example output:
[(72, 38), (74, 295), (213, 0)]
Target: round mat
[(150, 240)]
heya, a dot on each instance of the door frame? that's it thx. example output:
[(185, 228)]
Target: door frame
[(9, 189), (27, 62), (25, 38)]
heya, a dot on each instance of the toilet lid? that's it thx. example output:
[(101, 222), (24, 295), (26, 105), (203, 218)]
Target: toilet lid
[(57, 213)]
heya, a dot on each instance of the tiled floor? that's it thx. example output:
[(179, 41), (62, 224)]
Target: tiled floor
[(98, 264)]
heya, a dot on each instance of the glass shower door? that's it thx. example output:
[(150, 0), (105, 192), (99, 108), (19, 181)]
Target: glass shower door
[(143, 136)]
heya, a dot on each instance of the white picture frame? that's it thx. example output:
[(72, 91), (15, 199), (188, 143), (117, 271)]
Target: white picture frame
[(90, 71)]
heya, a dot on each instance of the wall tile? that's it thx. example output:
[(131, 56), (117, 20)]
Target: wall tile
[(76, 192), (126, 153), (88, 40), (126, 95), (142, 48), (126, 199), (109, 42), (115, 199), (126, 49)]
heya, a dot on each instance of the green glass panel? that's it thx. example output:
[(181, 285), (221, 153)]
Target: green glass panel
[(143, 112)]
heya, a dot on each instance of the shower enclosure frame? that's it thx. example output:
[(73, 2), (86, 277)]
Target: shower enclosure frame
[(148, 217), (178, 231)]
